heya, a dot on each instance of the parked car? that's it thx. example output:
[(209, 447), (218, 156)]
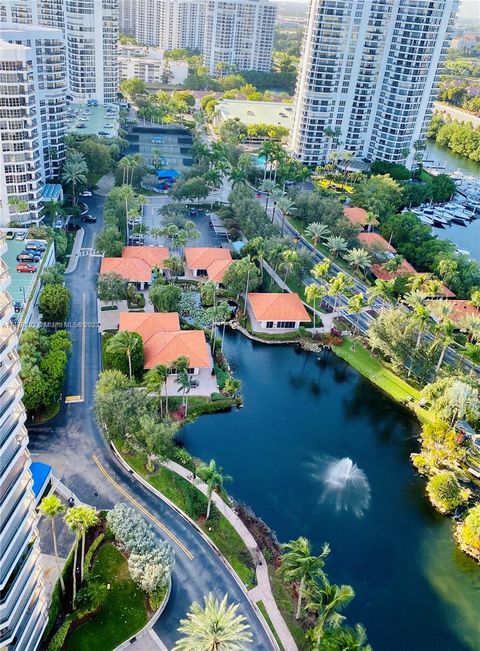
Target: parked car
[(81, 126), (58, 224), (103, 133), (20, 235), (134, 221), (9, 235), (28, 256), (90, 219), (192, 211), (86, 193), (14, 320), (26, 268), (17, 306), (35, 246)]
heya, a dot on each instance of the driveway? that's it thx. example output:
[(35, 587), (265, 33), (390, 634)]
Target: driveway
[(82, 460)]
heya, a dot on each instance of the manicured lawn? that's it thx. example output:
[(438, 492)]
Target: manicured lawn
[(124, 612), (263, 610), (284, 603), (190, 500), (372, 368)]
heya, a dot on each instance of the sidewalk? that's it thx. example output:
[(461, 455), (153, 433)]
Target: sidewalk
[(262, 590)]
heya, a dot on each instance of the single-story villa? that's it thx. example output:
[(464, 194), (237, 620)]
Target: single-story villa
[(164, 342), (460, 310), (375, 241), (276, 312), (356, 216), (136, 263), (206, 262)]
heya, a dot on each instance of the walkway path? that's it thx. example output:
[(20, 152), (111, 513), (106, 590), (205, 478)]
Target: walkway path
[(262, 591)]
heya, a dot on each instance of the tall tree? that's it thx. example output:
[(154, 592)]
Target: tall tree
[(216, 627), (213, 476), (125, 343), (51, 507), (327, 600), (155, 380), (299, 564), (313, 293)]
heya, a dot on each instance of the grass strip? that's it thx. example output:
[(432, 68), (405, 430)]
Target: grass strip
[(266, 617)]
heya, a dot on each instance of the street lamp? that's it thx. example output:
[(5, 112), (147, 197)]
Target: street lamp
[(22, 289)]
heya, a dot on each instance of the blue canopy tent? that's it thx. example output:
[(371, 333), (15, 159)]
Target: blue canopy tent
[(168, 175)]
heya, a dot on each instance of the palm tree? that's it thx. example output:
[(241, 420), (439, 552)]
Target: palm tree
[(338, 285), (237, 177), (316, 232), (328, 600), (346, 638), (124, 343), (336, 245), (155, 380), (300, 565), (266, 151), (74, 173), (217, 627), (79, 519), (267, 186), (383, 289), (356, 304), (289, 260), (321, 269), (51, 507), (223, 314), (186, 383), (284, 204), (156, 232), (471, 326), (191, 231), (213, 476), (213, 179), (277, 194), (313, 292), (393, 264), (371, 220), (445, 328), (358, 259)]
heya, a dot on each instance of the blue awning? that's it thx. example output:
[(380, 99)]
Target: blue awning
[(41, 474), (168, 174)]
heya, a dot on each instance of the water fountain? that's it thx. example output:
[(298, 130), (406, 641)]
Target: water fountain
[(345, 485)]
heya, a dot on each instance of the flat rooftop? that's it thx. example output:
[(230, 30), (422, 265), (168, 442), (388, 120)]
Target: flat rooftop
[(271, 113), (91, 120)]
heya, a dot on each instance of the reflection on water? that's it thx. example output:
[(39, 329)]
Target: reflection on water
[(314, 427), (446, 568), (345, 486)]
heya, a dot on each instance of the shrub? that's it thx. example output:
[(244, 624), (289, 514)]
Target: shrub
[(445, 492), (92, 549), (469, 529), (214, 397), (156, 597), (58, 639), (151, 570)]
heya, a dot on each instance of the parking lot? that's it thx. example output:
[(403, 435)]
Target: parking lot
[(152, 219)]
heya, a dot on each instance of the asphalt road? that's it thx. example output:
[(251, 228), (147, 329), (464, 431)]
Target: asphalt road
[(79, 456)]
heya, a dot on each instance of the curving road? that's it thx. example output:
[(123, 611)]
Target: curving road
[(73, 446)]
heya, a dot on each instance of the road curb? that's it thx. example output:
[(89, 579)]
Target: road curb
[(211, 544)]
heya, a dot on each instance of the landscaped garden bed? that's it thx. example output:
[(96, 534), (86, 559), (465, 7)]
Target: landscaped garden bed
[(117, 595)]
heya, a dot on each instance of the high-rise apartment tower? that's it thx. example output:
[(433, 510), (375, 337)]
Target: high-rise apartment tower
[(368, 77)]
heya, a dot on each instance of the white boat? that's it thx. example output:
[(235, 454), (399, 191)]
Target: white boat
[(425, 220)]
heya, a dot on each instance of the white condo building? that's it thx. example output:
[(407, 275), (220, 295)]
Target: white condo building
[(237, 32), (23, 613), (90, 29), (369, 71), (150, 65), (32, 116)]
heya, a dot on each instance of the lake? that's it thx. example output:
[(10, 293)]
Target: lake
[(304, 413), (467, 239)]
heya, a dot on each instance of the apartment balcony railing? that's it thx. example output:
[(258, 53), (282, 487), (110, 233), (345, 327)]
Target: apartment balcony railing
[(13, 549)]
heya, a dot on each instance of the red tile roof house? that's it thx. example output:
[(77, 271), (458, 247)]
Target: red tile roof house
[(460, 309), (206, 263), (276, 313), (356, 216), (136, 263), (164, 342), (375, 241)]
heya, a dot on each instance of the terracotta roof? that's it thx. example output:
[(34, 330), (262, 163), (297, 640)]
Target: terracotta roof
[(380, 271), (460, 309), (374, 239), (136, 262), (447, 292), (166, 347), (163, 341), (152, 255), (277, 307), (149, 323), (356, 215), (215, 260)]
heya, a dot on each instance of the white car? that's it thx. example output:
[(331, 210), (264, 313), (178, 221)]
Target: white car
[(86, 193), (58, 224), (20, 235)]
